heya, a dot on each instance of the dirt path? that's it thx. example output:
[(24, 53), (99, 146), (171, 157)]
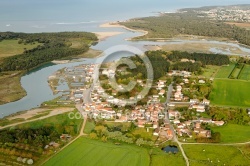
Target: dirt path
[(52, 113)]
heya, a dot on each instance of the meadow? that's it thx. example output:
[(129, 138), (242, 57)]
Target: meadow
[(11, 47), (225, 71), (200, 155), (230, 93), (210, 71), (160, 158), (233, 133), (245, 73), (89, 152)]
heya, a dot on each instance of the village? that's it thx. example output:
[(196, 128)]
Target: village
[(233, 13), (161, 112)]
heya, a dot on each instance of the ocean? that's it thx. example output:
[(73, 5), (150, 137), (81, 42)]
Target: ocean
[(85, 15)]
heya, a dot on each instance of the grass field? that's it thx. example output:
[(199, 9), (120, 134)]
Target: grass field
[(11, 47), (233, 133), (200, 155), (89, 127), (230, 93), (160, 158), (57, 121), (210, 71), (245, 73), (225, 71), (91, 153)]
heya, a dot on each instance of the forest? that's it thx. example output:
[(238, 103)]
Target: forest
[(188, 23), (52, 46)]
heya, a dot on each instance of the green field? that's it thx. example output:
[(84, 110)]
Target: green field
[(91, 152), (210, 71), (225, 71), (90, 125), (245, 73), (160, 158), (11, 47), (200, 155), (59, 121), (233, 133), (230, 93)]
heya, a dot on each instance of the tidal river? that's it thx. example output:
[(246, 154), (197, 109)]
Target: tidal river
[(62, 15), (36, 85)]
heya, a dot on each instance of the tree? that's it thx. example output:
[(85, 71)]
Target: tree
[(139, 141), (93, 136)]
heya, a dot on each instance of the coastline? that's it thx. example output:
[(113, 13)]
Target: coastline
[(104, 35), (117, 25)]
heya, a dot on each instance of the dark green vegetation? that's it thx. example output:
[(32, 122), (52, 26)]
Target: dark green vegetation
[(29, 140), (233, 133), (204, 59), (202, 155), (123, 132), (52, 46), (188, 23), (91, 152), (230, 115)]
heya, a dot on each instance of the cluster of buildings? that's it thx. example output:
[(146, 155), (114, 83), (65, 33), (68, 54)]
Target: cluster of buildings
[(228, 14), (190, 127), (184, 74)]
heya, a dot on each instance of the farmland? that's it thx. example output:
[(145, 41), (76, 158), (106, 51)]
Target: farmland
[(215, 155), (225, 71), (245, 73), (91, 152), (230, 93), (228, 133)]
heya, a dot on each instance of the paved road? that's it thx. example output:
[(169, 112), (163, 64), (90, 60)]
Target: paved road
[(175, 138), (87, 96), (169, 93)]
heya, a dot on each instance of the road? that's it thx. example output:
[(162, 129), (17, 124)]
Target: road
[(175, 138)]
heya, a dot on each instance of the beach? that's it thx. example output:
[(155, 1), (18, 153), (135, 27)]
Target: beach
[(117, 25), (104, 35)]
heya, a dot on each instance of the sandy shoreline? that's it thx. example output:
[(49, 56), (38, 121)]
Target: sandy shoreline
[(117, 25), (104, 35)]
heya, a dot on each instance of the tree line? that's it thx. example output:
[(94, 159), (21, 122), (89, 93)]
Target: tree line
[(188, 23)]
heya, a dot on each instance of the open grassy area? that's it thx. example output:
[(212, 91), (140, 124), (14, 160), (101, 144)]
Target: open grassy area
[(225, 71), (90, 125), (91, 152), (245, 73), (233, 133), (236, 72), (10, 89), (11, 47), (230, 93), (59, 121), (160, 158), (200, 155), (210, 71)]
